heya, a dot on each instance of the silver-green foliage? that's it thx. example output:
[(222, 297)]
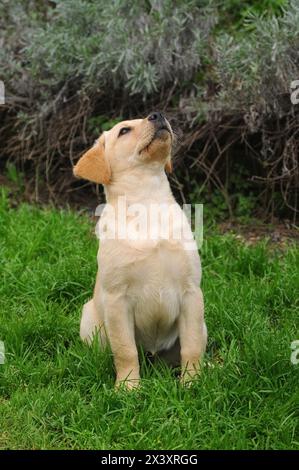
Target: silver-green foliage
[(140, 46), (259, 67)]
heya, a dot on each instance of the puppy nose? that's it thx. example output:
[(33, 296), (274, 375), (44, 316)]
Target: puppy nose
[(156, 116)]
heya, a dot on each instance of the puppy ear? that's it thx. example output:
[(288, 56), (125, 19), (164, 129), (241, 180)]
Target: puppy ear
[(93, 165), (168, 165)]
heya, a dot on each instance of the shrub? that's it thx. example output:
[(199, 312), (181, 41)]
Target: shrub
[(222, 70)]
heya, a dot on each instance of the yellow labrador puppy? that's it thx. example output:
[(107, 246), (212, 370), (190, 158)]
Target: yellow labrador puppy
[(147, 290)]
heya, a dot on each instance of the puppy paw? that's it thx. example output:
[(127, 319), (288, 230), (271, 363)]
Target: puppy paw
[(127, 384), (189, 376)]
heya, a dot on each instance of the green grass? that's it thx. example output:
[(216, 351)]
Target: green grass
[(57, 393)]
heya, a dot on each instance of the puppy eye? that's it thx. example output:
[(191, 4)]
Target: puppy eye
[(123, 131)]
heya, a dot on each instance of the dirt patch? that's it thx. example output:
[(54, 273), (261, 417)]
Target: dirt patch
[(278, 232)]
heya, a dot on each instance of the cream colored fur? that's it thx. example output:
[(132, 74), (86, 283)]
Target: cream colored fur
[(147, 292)]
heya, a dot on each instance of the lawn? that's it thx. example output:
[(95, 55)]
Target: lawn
[(55, 392)]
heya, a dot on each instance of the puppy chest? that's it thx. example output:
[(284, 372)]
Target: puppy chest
[(160, 271), (155, 290)]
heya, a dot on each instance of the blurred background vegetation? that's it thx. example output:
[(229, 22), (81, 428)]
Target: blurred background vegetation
[(220, 70)]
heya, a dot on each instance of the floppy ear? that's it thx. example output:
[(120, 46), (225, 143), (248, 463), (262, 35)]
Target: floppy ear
[(93, 165), (168, 165)]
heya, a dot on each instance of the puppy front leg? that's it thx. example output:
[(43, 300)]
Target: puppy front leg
[(121, 332), (192, 333)]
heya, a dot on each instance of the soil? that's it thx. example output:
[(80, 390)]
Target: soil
[(279, 232)]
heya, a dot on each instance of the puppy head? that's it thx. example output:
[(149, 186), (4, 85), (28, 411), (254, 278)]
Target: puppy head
[(127, 144)]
